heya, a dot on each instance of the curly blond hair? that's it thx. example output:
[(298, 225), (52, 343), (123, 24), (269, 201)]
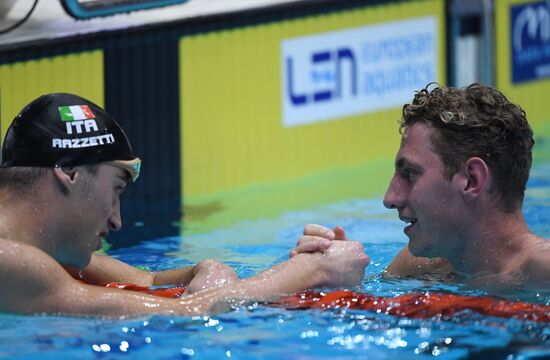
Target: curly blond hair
[(477, 121)]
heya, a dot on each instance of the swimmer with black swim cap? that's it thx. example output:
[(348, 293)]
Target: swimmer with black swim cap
[(60, 130), (65, 164)]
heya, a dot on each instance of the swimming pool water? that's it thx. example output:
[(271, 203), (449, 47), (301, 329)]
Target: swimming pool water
[(258, 331)]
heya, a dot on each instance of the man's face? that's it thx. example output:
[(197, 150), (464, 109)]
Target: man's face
[(97, 210), (424, 197)]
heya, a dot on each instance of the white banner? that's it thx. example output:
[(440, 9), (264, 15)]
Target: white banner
[(336, 74)]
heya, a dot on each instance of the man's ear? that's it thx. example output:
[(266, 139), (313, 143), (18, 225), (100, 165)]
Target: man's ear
[(66, 177), (476, 175)]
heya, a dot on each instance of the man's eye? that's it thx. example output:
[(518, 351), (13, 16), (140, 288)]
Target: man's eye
[(409, 174)]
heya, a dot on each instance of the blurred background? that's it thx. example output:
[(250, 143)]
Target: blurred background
[(244, 109)]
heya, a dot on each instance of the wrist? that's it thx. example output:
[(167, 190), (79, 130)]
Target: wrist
[(311, 268)]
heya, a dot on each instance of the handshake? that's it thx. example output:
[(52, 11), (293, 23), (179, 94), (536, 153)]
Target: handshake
[(337, 260)]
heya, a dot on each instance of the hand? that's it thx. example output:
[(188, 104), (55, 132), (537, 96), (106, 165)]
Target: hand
[(317, 238), (342, 264), (210, 274)]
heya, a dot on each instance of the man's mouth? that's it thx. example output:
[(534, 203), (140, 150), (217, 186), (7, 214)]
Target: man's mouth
[(100, 237), (409, 223)]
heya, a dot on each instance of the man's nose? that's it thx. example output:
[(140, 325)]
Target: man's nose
[(394, 197), (115, 221)]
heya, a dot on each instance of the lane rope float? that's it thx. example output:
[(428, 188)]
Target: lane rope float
[(414, 305)]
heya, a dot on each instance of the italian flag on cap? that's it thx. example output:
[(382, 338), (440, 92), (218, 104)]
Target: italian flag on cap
[(75, 112)]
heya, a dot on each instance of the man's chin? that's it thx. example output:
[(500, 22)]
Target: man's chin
[(418, 249), (75, 267)]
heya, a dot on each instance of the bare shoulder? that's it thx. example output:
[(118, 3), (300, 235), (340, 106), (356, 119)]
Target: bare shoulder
[(406, 264), (537, 265), (19, 256), (27, 275)]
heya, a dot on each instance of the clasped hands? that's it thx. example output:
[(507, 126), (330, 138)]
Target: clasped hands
[(345, 258), (322, 258)]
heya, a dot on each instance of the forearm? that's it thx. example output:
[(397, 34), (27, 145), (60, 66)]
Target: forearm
[(297, 274), (179, 276), (105, 269)]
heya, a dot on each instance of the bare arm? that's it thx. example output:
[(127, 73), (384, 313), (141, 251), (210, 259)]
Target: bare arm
[(35, 283), (105, 269), (206, 274)]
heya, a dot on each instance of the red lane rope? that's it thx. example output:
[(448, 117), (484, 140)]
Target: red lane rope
[(415, 305), (169, 292), (418, 305)]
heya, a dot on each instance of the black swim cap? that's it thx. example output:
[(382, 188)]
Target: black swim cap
[(58, 130)]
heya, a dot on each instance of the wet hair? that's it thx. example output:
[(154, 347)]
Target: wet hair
[(477, 121), (23, 178)]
